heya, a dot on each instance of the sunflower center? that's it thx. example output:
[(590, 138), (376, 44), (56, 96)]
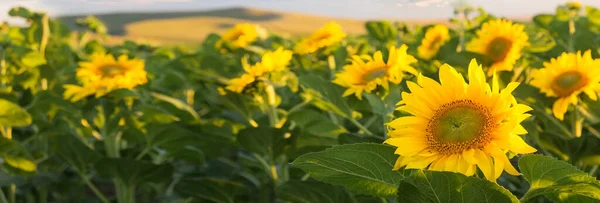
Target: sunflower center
[(459, 125), (323, 36), (111, 71), (375, 73), (568, 82), (436, 42), (498, 48)]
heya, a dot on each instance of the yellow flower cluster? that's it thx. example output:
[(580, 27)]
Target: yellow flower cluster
[(103, 74), (328, 35), (272, 62)]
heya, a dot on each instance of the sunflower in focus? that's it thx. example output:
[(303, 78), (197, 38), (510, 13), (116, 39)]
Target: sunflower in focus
[(567, 76), (365, 76), (328, 35), (435, 38), (502, 41), (103, 74), (458, 126), (241, 35), (272, 63)]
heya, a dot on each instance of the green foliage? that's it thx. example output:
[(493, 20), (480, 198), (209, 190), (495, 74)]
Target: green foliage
[(12, 115), (287, 137), (364, 168), (433, 186), (557, 180)]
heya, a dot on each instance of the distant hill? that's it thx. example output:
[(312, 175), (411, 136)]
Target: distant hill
[(193, 27)]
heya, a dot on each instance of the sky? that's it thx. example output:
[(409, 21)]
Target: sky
[(354, 9)]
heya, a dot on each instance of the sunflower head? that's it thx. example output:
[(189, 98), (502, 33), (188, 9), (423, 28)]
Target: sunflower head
[(458, 126), (273, 63), (366, 73), (328, 35), (241, 35), (502, 41), (435, 38), (103, 73), (567, 76)]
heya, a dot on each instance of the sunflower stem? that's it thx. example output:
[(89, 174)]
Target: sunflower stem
[(93, 187), (572, 18), (361, 127), (593, 171), (577, 122)]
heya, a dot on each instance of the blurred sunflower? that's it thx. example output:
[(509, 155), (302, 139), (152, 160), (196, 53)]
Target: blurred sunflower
[(365, 76), (328, 35), (272, 62), (566, 77), (435, 38), (502, 41), (458, 126), (104, 74), (241, 35)]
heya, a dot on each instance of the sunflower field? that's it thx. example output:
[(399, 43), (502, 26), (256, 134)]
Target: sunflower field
[(480, 109)]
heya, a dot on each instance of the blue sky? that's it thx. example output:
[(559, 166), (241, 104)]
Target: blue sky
[(356, 9)]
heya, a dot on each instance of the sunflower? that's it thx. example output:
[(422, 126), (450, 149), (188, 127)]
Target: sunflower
[(104, 74), (241, 35), (365, 76), (567, 76), (326, 36), (435, 38), (272, 62), (458, 126), (502, 41)]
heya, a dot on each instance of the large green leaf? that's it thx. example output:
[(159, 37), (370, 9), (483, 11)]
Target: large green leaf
[(310, 191), (133, 172), (74, 152), (12, 115), (327, 97), (557, 180), (16, 157), (319, 126), (263, 140), (364, 168), (211, 190), (433, 186)]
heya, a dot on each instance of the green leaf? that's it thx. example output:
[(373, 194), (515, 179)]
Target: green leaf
[(177, 103), (316, 123), (12, 115), (540, 40), (309, 192), (133, 172), (377, 104), (212, 190), (16, 157), (382, 31), (33, 59), (433, 186), (327, 97), (263, 140), (20, 12), (364, 168), (74, 152), (557, 180)]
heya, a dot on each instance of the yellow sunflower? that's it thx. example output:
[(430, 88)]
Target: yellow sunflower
[(502, 41), (241, 35), (566, 77), (435, 38), (326, 36), (458, 126), (104, 74), (365, 76), (271, 62)]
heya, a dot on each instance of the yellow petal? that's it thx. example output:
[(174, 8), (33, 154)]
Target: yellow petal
[(485, 164)]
